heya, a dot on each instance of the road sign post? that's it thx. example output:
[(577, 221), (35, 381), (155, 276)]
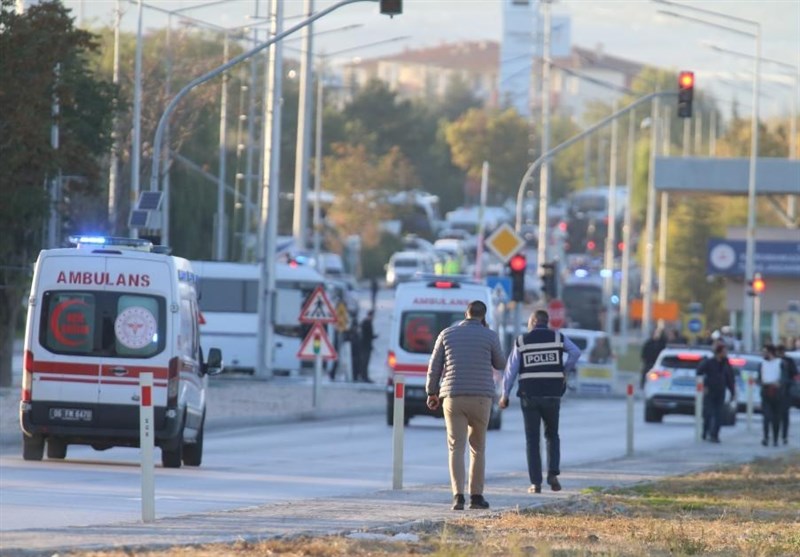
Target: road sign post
[(557, 312), (317, 346)]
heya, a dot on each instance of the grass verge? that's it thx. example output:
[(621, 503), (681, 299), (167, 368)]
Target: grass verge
[(743, 510)]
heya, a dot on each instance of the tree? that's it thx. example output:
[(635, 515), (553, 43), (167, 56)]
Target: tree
[(358, 179), (37, 72), (501, 138)]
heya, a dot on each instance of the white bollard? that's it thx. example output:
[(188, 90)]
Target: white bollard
[(147, 444), (629, 439), (398, 430), (698, 410), (750, 403)]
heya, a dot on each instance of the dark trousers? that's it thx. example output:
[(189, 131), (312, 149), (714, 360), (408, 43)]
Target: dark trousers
[(771, 409), (786, 405), (534, 411), (363, 363), (713, 412)]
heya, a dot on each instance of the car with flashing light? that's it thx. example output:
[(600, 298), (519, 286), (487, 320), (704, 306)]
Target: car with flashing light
[(747, 368), (671, 385)]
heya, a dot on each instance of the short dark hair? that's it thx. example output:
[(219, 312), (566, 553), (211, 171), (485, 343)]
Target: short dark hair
[(476, 309), (539, 317)]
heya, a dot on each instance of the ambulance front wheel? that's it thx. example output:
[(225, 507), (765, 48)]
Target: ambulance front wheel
[(32, 447)]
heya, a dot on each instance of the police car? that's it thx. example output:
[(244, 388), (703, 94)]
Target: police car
[(100, 315), (671, 385), (423, 308)]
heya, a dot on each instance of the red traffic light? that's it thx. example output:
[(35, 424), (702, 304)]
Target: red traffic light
[(686, 80), (758, 284), (517, 263)]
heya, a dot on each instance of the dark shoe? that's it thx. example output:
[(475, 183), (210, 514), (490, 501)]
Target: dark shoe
[(785, 441), (535, 488), (553, 482), (714, 439), (458, 502), (775, 443), (478, 502), (764, 442), (368, 380)]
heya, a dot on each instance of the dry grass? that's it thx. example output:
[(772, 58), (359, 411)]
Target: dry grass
[(750, 510)]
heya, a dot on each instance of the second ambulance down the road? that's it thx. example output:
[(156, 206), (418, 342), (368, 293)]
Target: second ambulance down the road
[(423, 309), (99, 315)]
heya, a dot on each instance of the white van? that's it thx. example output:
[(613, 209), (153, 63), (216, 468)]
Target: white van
[(99, 315), (229, 308), (422, 309), (404, 266)]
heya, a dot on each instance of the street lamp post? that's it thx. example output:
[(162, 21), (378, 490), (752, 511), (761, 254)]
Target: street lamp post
[(747, 302)]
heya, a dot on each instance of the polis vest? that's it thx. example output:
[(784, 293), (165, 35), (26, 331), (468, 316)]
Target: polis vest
[(541, 363)]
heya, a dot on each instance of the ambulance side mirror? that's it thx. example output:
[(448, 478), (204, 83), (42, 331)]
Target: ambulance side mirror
[(213, 365)]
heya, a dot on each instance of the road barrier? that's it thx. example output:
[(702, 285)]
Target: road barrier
[(398, 431), (629, 438), (147, 445)]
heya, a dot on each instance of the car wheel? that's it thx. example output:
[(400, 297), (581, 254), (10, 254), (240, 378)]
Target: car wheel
[(652, 415), (32, 447), (56, 448), (193, 452)]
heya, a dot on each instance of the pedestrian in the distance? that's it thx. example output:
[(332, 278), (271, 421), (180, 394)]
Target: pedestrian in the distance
[(788, 377), (650, 351), (355, 349), (373, 285), (769, 378), (718, 376), (367, 336), (538, 361), (461, 378)]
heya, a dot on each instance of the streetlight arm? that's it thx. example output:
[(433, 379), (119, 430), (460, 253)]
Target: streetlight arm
[(709, 23), (569, 142), (157, 140), (708, 12)]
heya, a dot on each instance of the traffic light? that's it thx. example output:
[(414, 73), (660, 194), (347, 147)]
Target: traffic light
[(391, 7), (757, 285), (549, 282), (516, 266), (685, 94)]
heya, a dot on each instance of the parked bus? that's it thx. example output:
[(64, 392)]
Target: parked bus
[(229, 306)]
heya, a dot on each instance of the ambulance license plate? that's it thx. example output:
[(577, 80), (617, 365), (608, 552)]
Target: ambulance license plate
[(71, 414)]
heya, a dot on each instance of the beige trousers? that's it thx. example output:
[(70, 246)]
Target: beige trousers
[(467, 417)]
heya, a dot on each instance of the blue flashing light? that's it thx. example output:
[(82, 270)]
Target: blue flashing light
[(100, 240), (581, 273), (615, 299), (605, 273)]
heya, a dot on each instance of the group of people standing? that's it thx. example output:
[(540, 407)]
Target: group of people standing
[(461, 379), (361, 336), (776, 377)]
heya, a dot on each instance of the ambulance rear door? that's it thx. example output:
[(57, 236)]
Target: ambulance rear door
[(66, 356), (137, 336)]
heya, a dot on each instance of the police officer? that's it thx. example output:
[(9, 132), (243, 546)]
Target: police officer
[(538, 360)]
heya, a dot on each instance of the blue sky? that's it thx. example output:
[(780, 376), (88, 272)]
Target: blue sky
[(627, 28)]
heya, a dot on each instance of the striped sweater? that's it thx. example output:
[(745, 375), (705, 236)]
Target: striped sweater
[(462, 360)]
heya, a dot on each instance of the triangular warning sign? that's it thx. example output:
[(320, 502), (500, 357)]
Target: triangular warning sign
[(317, 342), (318, 309)]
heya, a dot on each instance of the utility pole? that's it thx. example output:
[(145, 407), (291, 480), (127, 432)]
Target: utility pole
[(113, 166), (611, 228), (268, 225), (136, 143), (650, 218), (303, 149), (544, 176), (220, 248)]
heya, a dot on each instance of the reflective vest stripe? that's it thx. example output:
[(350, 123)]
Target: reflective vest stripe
[(542, 375), (541, 346)]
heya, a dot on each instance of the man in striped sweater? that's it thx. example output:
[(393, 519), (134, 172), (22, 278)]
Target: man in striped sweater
[(538, 360), (460, 376)]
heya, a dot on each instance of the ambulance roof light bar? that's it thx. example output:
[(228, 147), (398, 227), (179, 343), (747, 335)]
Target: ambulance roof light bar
[(108, 241)]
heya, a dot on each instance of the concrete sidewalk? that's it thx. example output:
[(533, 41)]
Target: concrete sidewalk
[(387, 512)]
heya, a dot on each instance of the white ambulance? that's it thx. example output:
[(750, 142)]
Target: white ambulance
[(99, 314), (423, 309)]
